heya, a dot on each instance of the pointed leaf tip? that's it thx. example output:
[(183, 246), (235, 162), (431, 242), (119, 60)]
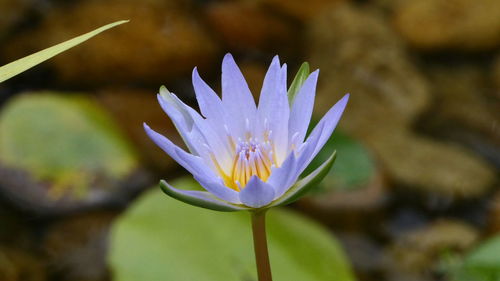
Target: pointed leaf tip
[(16, 67), (297, 82)]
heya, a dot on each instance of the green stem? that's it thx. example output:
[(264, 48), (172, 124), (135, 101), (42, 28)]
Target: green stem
[(260, 246)]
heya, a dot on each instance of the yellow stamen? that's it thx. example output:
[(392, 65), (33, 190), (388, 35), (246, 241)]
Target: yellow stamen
[(251, 158)]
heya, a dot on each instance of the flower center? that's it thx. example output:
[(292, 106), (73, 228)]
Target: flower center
[(252, 158)]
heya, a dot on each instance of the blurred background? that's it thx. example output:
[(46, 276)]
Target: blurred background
[(414, 194)]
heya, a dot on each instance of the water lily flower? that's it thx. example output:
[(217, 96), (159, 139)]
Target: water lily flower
[(245, 156)]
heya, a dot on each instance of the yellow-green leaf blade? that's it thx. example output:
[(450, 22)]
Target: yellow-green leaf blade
[(12, 69)]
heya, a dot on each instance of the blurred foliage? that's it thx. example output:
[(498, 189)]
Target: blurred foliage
[(482, 264), (353, 169), (66, 140), (162, 239)]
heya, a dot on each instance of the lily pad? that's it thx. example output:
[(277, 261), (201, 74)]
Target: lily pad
[(57, 144), (354, 168), (159, 238)]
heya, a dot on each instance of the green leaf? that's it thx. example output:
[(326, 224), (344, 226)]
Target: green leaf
[(354, 168), (482, 264), (63, 139), (12, 69), (297, 82), (304, 185), (159, 239), (208, 202)]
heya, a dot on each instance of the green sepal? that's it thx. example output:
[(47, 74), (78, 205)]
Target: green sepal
[(300, 188), (297, 82), (23, 64), (192, 197)]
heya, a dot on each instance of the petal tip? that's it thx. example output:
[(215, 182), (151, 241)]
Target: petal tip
[(227, 58)]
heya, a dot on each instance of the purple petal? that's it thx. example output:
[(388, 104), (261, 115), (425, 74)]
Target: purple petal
[(194, 164), (217, 188), (269, 90), (257, 193), (236, 97), (285, 176), (210, 104), (218, 146), (197, 132), (322, 132), (302, 108), (331, 119), (274, 111), (180, 116), (307, 148)]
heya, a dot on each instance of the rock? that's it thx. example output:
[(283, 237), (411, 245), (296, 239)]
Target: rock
[(494, 216), (387, 6), (388, 95), (75, 248), (63, 152), (160, 43), (434, 167), (449, 24), (366, 255), (246, 25), (17, 265), (496, 75), (354, 211), (16, 11), (370, 63), (299, 9), (466, 108), (416, 255)]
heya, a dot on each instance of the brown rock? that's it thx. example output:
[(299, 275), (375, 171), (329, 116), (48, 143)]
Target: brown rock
[(159, 43), (16, 10), (465, 98), (454, 24), (494, 217), (431, 166), (367, 256), (245, 25), (350, 210), (17, 265), (299, 9), (416, 255), (76, 247), (388, 94), (370, 63), (496, 75)]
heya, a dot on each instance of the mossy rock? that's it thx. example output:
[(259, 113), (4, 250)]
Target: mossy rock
[(63, 142)]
